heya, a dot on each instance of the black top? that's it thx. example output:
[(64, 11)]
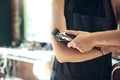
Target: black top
[(92, 16)]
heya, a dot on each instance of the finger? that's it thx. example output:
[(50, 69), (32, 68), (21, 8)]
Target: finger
[(69, 44), (72, 32), (72, 44), (81, 50)]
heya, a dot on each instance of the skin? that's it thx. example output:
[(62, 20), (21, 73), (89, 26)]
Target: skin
[(85, 42), (70, 53)]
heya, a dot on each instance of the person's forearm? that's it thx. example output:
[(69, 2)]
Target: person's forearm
[(62, 52), (65, 54), (107, 38)]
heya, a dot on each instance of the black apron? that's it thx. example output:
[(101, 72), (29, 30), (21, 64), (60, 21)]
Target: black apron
[(92, 16)]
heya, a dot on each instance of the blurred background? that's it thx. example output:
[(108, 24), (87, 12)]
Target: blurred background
[(25, 48)]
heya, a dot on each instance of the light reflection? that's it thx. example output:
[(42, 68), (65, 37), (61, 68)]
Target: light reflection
[(37, 20)]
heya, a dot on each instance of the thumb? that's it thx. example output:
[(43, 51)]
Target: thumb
[(72, 32)]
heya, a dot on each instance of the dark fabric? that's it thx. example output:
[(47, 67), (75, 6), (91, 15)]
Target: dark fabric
[(92, 16), (95, 69), (88, 7), (87, 22)]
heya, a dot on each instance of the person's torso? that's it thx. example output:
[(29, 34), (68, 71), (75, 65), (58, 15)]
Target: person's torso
[(92, 16)]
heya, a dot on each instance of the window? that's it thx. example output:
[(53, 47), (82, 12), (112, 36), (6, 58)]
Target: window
[(37, 17)]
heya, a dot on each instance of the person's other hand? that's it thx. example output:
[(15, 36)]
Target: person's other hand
[(84, 41)]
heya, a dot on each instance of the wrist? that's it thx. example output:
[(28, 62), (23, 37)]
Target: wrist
[(95, 39), (99, 38)]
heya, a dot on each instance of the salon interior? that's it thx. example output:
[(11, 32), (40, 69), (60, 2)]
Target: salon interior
[(25, 47)]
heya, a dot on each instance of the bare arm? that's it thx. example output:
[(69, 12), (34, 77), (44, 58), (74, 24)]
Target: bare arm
[(104, 38), (63, 53), (110, 38), (85, 41), (116, 8), (58, 19)]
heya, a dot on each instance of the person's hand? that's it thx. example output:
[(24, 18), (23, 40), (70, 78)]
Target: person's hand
[(84, 41)]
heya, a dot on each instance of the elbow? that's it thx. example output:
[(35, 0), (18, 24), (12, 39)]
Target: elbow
[(59, 50)]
